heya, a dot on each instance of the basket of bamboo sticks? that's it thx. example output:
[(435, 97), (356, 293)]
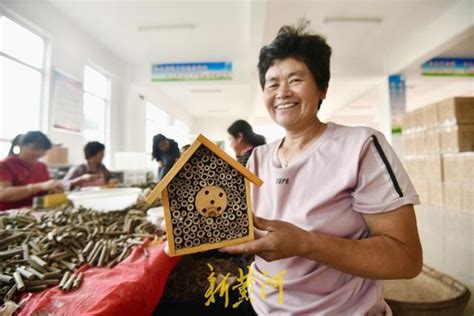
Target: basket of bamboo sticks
[(431, 293)]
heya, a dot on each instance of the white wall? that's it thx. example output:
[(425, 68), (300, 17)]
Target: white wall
[(213, 128), (135, 114), (72, 49)]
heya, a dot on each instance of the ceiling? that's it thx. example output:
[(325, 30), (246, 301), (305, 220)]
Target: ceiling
[(365, 51), (422, 90)]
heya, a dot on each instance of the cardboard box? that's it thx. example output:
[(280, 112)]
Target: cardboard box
[(407, 122), (453, 195), (57, 156), (417, 119), (433, 140), (407, 162), (49, 200), (457, 138), (410, 166), (416, 166), (407, 143), (467, 198), (433, 168), (430, 116), (452, 167), (421, 187), (467, 165), (419, 143), (422, 167), (458, 110), (411, 143), (435, 193)]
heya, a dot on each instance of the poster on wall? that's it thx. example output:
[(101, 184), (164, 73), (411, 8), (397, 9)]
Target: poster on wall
[(192, 71), (448, 67), (66, 103), (397, 91)]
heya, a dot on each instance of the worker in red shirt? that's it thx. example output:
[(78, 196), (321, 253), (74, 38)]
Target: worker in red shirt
[(22, 176)]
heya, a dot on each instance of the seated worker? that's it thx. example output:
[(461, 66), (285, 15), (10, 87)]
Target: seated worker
[(165, 152), (93, 172), (243, 140), (22, 175)]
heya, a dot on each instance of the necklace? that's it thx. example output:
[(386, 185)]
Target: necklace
[(301, 147)]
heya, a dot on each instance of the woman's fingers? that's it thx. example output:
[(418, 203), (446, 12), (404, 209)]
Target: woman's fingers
[(248, 248), (166, 249), (259, 233), (163, 226), (262, 223)]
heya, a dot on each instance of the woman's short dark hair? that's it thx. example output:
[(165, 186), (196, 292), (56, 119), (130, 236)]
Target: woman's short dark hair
[(93, 148), (243, 127), (295, 42), (35, 138)]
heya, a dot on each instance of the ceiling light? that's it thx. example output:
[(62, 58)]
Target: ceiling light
[(348, 19), (206, 90), (218, 111), (166, 27)]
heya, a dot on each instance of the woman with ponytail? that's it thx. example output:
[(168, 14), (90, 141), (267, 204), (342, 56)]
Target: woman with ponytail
[(243, 140)]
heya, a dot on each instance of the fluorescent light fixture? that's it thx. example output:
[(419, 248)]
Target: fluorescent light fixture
[(218, 111), (206, 90), (166, 27), (349, 19)]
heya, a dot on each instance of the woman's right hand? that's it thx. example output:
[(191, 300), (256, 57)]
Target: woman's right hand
[(50, 186), (88, 177), (163, 229)]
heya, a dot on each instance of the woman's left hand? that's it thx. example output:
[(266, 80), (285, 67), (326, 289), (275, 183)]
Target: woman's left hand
[(113, 182), (283, 240)]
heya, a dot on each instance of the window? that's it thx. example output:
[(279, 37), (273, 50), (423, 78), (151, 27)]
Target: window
[(96, 92), (22, 62), (156, 121), (179, 131)]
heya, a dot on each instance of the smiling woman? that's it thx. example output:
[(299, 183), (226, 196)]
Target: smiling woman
[(336, 207)]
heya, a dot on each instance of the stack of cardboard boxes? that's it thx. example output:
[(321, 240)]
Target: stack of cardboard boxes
[(57, 156), (439, 152)]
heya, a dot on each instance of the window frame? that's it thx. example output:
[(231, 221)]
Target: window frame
[(107, 101), (148, 118), (43, 118)]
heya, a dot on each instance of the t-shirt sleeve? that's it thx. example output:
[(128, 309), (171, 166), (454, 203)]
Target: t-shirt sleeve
[(45, 172), (252, 162), (6, 174), (107, 174), (382, 182), (74, 172)]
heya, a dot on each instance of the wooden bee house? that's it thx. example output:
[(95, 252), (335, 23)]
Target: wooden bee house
[(206, 200)]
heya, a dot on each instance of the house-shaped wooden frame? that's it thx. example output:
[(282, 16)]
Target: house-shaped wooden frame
[(206, 200)]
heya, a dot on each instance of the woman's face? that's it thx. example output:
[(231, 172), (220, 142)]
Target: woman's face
[(99, 156), (30, 153), (236, 143), (164, 145), (291, 94)]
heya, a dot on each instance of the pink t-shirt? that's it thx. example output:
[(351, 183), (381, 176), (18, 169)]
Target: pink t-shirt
[(19, 172), (348, 171)]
